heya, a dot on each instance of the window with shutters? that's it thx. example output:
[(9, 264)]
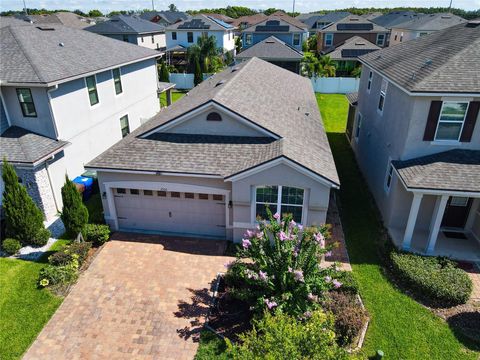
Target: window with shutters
[(451, 120)]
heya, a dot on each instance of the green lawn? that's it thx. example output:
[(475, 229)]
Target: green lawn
[(399, 326), (24, 309), (176, 95)]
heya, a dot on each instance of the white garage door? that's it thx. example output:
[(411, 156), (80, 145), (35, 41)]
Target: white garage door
[(170, 212)]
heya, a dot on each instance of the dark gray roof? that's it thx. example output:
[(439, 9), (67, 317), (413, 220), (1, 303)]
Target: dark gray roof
[(264, 94), (201, 22), (353, 20), (10, 20), (331, 17), (455, 170), (291, 24), (271, 48), (58, 53), (431, 22), (353, 48), (394, 18), (126, 24), (18, 145), (445, 61), (352, 98), (163, 86), (169, 16)]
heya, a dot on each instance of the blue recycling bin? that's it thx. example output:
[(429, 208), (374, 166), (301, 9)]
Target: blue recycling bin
[(87, 182)]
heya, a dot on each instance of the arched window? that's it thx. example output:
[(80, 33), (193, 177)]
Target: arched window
[(214, 116)]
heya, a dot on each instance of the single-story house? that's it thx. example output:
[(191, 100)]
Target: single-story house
[(208, 165)]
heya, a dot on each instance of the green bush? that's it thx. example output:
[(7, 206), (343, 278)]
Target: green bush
[(349, 284), (59, 275), (97, 234), (74, 212), (436, 279), (41, 238), (282, 336), (23, 218), (60, 258), (11, 246), (349, 315), (80, 249)]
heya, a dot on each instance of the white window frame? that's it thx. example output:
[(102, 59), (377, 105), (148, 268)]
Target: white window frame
[(248, 39), (96, 89), (387, 185), (401, 37), (439, 121), (396, 36), (299, 40), (459, 201), (383, 93), (370, 81), (279, 201), (383, 39), (121, 84), (358, 126), (329, 35), (174, 33), (128, 125)]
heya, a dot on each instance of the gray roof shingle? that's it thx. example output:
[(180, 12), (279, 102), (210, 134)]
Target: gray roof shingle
[(356, 20), (264, 94), (445, 61), (200, 22), (454, 170), (126, 24), (19, 145), (271, 48), (353, 48), (393, 18), (169, 16), (431, 22), (58, 53), (311, 20), (293, 24)]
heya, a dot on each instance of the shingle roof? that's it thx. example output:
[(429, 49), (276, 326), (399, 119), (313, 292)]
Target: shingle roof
[(249, 20), (354, 20), (431, 22), (126, 24), (294, 24), (445, 61), (200, 22), (22, 146), (455, 170), (10, 20), (352, 98), (353, 48), (271, 48), (394, 18), (58, 53), (267, 95), (169, 16), (331, 17)]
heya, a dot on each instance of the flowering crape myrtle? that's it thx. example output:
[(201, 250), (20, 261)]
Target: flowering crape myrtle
[(278, 267)]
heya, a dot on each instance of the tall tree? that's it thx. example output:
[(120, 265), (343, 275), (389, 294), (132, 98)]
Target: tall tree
[(172, 7), (74, 212), (95, 13), (164, 75), (208, 50), (197, 75), (23, 218)]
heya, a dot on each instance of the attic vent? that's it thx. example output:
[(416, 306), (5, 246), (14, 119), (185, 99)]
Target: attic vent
[(270, 42), (473, 23), (214, 116), (354, 19), (44, 28), (446, 17), (359, 43), (221, 82)]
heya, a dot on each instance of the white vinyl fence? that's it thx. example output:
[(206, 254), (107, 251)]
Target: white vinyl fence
[(184, 81), (336, 85)]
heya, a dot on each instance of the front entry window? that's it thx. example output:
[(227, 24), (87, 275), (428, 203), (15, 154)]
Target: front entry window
[(281, 199)]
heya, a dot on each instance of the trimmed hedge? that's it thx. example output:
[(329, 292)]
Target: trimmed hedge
[(11, 246), (98, 234), (435, 278)]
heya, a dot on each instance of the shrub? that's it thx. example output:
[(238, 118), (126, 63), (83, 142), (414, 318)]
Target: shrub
[(97, 234), (11, 246), (60, 258), (349, 315), (79, 249), (434, 278), (349, 284), (23, 218), (283, 272), (59, 275), (163, 73), (41, 238), (282, 336), (74, 213)]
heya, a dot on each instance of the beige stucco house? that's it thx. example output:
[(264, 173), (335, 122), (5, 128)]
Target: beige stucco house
[(414, 127), (208, 165)]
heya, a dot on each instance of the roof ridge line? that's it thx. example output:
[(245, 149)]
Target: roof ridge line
[(26, 56)]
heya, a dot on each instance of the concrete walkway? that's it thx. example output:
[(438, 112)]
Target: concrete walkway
[(143, 297)]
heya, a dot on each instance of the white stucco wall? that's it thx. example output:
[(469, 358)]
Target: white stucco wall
[(407, 35), (159, 41), (182, 38)]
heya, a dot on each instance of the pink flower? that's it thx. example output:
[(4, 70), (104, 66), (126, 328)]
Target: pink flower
[(262, 275), (328, 279), (292, 224), (320, 239), (246, 243), (259, 235), (290, 269), (298, 275), (248, 234), (228, 265), (283, 236), (300, 227), (270, 304), (276, 216), (307, 314), (336, 283), (311, 297), (328, 254), (257, 227)]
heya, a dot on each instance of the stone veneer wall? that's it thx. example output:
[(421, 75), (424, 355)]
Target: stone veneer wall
[(38, 187)]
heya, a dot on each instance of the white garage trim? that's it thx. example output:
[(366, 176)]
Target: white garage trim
[(161, 186)]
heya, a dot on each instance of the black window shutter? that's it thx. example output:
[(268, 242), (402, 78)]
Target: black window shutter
[(470, 119), (432, 120)]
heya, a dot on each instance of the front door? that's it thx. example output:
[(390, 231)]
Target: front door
[(456, 212)]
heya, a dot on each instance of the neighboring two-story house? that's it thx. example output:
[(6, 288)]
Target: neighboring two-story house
[(423, 25), (339, 32), (185, 33), (164, 18), (415, 130), (318, 21), (132, 29), (285, 28), (66, 96)]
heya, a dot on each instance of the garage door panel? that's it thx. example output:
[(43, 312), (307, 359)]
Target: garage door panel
[(171, 214)]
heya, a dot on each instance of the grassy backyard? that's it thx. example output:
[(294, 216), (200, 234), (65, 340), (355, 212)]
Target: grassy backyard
[(176, 95), (24, 309), (399, 326)]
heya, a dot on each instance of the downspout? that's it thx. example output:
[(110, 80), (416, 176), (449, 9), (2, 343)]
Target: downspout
[(49, 90), (51, 184)]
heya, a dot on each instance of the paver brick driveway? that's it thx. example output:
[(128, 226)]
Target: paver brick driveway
[(143, 297)]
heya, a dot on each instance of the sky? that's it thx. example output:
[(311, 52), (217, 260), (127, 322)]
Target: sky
[(300, 5)]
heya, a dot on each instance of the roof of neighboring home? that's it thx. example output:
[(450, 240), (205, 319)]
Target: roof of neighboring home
[(274, 23), (291, 20), (454, 170), (444, 61), (271, 48), (431, 22), (53, 54), (371, 16), (10, 20), (353, 48), (249, 20), (265, 95), (169, 16), (352, 98), (63, 17), (126, 24), (393, 18), (19, 145), (222, 17), (201, 22), (353, 23), (330, 17)]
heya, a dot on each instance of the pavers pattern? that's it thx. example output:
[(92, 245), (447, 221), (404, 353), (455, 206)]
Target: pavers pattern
[(143, 297)]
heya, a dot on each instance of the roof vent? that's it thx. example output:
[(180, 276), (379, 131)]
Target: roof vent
[(44, 28), (236, 68), (473, 23), (360, 43), (446, 16), (61, 44), (427, 62), (269, 42), (221, 82), (354, 19)]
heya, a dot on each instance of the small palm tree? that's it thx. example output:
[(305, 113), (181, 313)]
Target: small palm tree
[(208, 50), (327, 66)]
